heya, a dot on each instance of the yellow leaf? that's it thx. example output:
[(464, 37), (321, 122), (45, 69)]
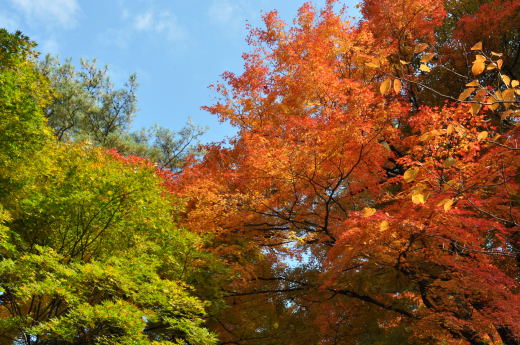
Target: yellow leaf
[(478, 67), (493, 105), (424, 68), (403, 62), (475, 108), (384, 225), (466, 93), (499, 63), (385, 86), (446, 203), (508, 96), (427, 57), (418, 198), (473, 83), (496, 54), (514, 83), (479, 57), (420, 48), (449, 130), (397, 86), (477, 46), (374, 62), (491, 66), (505, 79), (371, 64), (411, 174), (482, 135), (367, 212)]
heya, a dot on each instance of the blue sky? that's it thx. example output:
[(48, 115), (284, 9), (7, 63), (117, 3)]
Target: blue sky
[(176, 48)]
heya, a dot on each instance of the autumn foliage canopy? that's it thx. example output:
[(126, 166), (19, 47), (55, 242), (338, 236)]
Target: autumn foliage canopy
[(371, 194)]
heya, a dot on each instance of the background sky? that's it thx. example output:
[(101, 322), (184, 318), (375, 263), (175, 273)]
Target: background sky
[(176, 48)]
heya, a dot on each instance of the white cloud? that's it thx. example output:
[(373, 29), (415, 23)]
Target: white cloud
[(222, 11), (49, 46), (53, 12), (9, 22), (163, 23), (231, 15)]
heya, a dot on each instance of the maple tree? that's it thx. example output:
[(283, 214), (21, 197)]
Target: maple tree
[(91, 251), (365, 199)]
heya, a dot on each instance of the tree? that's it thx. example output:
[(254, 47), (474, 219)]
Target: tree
[(95, 257), (23, 93), (91, 251), (87, 106), (357, 157)]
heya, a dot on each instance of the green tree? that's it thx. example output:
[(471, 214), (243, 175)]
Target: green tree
[(87, 106), (23, 93), (90, 249)]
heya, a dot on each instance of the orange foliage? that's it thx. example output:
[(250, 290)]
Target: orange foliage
[(405, 215)]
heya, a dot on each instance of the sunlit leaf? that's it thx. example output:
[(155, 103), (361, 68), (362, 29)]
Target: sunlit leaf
[(397, 86), (424, 68), (475, 108), (482, 135), (411, 174), (477, 46), (505, 79), (493, 103), (385, 86), (427, 57), (368, 211), (418, 198), (478, 67), (466, 93), (446, 204)]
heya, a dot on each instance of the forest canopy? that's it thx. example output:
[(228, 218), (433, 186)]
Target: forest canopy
[(370, 195)]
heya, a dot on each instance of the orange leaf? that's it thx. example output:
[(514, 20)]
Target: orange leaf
[(424, 68), (368, 211), (466, 93), (427, 57), (478, 67), (477, 46), (505, 79), (385, 86), (397, 86), (420, 48)]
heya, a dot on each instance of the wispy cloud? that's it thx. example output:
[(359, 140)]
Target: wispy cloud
[(222, 11), (161, 23), (51, 12), (49, 46), (230, 15), (9, 22)]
